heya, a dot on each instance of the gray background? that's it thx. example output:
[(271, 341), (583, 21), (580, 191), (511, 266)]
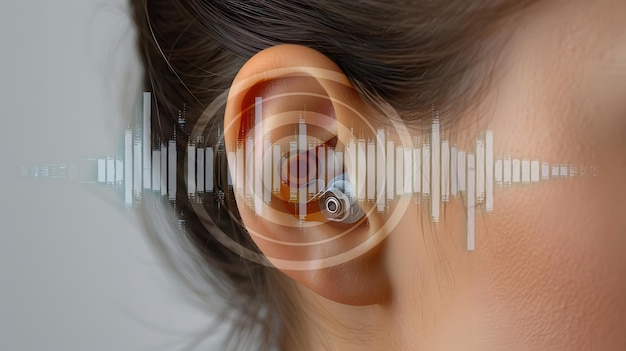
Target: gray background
[(76, 272)]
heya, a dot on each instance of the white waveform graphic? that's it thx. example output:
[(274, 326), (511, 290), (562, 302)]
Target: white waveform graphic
[(381, 169)]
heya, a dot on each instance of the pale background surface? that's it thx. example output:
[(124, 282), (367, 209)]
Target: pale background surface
[(76, 272)]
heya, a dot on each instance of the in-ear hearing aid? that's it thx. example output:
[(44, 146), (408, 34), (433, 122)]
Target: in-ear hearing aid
[(338, 202)]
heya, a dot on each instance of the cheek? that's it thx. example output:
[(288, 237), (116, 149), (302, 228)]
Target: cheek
[(552, 265)]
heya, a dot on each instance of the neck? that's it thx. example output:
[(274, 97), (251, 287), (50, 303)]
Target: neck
[(423, 314), (393, 327)]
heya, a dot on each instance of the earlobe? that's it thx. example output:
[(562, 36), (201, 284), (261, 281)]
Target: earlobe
[(289, 114)]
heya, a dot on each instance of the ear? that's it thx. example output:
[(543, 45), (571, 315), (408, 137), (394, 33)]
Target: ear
[(289, 115)]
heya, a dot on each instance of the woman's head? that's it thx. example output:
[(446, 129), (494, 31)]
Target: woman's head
[(274, 84)]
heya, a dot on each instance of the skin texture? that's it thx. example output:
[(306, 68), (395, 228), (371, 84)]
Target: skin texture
[(549, 270), (553, 275)]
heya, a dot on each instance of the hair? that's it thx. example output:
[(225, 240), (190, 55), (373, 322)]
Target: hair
[(408, 54)]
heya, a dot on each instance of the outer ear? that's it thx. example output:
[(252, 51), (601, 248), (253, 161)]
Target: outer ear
[(290, 111)]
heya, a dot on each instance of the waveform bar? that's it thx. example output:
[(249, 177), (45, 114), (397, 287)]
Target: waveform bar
[(534, 171), (417, 167), (332, 161), (489, 171), (258, 155), (445, 171), (293, 171), (361, 162), (249, 168), (137, 170), (399, 170), (436, 170), (163, 172), (267, 170), (321, 167), (408, 170), (371, 170), (230, 170), (470, 202), (119, 170), (171, 169), (191, 169), (110, 170), (128, 167), (390, 166), (515, 175), (222, 164), (302, 195), (350, 163), (339, 163), (147, 142), (461, 162), (275, 169), (102, 169), (200, 151), (525, 171), (555, 171), (311, 184), (545, 171), (425, 170), (380, 170), (480, 171), (506, 169), (156, 170), (208, 169), (454, 182), (239, 170), (498, 171)]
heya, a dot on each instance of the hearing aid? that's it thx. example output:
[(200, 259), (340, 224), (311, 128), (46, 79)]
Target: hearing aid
[(338, 202)]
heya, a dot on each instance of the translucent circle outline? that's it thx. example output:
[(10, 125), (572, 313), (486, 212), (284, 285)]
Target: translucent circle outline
[(372, 240), (257, 196)]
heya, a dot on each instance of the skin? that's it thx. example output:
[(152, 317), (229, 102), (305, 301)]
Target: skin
[(549, 269)]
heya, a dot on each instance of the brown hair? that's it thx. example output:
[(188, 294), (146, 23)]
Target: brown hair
[(410, 54)]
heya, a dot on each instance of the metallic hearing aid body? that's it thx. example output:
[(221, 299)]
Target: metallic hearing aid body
[(338, 202)]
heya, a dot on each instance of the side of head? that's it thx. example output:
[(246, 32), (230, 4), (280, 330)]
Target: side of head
[(193, 50), (290, 95)]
